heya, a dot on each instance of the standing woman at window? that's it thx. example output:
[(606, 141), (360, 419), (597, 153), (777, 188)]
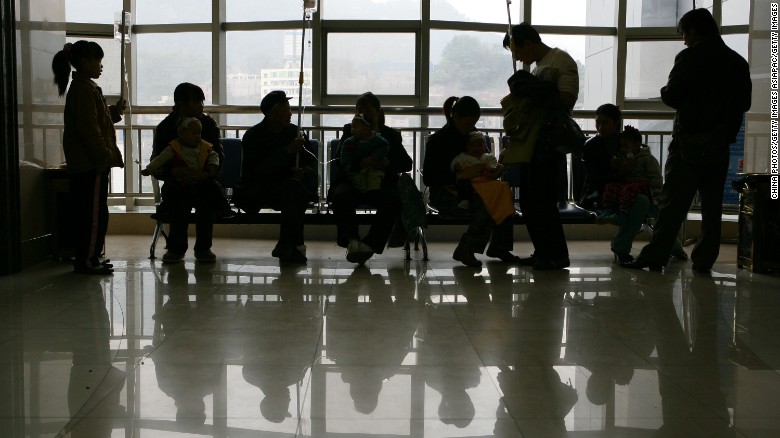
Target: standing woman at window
[(89, 143)]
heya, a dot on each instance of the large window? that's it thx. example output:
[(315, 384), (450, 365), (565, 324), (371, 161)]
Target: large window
[(412, 58)]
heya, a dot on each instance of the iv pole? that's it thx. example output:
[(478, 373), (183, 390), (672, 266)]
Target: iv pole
[(308, 7), (509, 32)]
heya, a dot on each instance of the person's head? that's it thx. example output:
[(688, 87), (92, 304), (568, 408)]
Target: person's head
[(608, 119), (697, 25), (274, 407), (476, 146), (630, 139), (188, 100), (371, 108), (599, 387), (462, 112), (84, 56), (524, 43), (276, 108), (361, 127), (189, 129)]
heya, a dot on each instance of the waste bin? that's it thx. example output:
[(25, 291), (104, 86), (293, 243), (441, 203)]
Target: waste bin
[(759, 224)]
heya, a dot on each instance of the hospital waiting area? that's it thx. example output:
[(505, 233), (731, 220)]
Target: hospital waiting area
[(411, 341)]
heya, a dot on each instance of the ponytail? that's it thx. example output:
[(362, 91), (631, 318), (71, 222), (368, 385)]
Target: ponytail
[(71, 55), (60, 66), (447, 108)]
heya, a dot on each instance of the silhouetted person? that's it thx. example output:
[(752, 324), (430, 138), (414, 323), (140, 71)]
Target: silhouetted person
[(710, 88)]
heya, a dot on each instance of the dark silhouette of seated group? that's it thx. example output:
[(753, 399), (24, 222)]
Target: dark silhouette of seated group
[(623, 179)]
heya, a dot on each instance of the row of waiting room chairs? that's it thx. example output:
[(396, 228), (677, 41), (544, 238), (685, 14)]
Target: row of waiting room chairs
[(231, 173)]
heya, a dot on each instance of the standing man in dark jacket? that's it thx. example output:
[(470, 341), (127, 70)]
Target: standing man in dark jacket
[(269, 175), (710, 88), (188, 102)]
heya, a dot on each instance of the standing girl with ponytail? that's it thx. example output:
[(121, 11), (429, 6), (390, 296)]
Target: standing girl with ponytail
[(89, 143)]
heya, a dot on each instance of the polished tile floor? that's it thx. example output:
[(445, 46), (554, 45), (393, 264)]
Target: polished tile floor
[(248, 348)]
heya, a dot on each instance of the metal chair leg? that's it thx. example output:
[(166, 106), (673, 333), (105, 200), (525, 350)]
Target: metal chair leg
[(421, 234), (155, 236)]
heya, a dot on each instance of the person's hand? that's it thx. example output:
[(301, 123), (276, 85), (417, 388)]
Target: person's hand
[(121, 105), (297, 173), (493, 173), (145, 172), (470, 172), (295, 146)]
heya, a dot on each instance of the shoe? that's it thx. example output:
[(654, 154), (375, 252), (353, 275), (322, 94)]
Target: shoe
[(172, 257), (618, 219), (527, 261), (642, 264), (622, 257), (549, 265), (605, 217), (205, 256), (91, 268), (680, 255), (105, 263), (466, 257), (358, 252), (294, 256), (700, 269), (505, 256)]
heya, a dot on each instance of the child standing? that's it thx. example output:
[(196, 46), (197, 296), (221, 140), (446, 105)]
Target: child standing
[(363, 144), (640, 173), (89, 143), (476, 154), (195, 165)]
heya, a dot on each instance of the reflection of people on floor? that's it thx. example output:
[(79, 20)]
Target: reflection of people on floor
[(285, 345), (689, 379), (181, 372), (531, 354), (354, 327), (606, 338), (95, 384), (451, 380)]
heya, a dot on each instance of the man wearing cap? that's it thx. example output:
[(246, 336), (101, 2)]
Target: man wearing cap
[(270, 177)]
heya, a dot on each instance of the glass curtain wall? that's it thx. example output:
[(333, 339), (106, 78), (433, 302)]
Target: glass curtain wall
[(412, 53)]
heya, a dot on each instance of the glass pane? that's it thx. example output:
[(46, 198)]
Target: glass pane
[(110, 80), (558, 12), (166, 60), (172, 11), (738, 43), (470, 10), (652, 13), (468, 63), (383, 63), (597, 81), (261, 61), (736, 12), (371, 10), (263, 10), (91, 11), (647, 67), (601, 13)]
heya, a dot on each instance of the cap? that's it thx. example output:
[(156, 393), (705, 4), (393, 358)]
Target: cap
[(271, 100), (362, 118)]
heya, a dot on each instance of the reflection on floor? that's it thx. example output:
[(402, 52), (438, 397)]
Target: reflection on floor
[(248, 348)]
